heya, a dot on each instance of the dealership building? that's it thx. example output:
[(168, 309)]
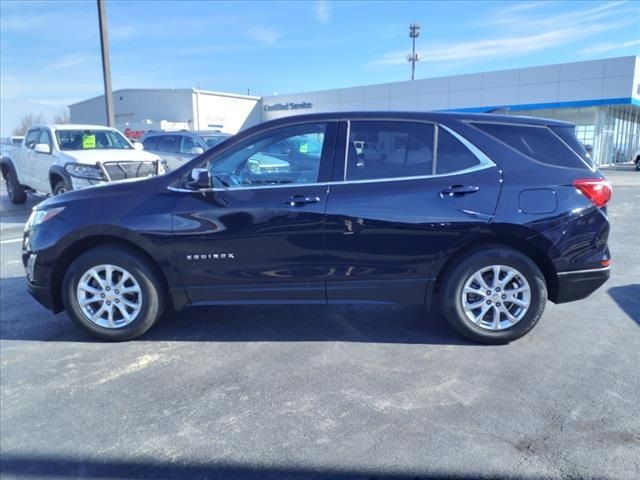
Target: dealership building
[(601, 97)]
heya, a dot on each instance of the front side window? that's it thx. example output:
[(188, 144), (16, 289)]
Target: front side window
[(379, 149), (87, 139), (284, 156), (169, 143), (45, 138), (150, 143), (188, 143), (32, 137), (213, 140)]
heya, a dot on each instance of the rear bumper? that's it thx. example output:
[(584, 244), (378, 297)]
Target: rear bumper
[(579, 284)]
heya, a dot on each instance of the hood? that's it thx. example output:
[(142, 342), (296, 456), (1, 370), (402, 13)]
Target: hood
[(106, 155)]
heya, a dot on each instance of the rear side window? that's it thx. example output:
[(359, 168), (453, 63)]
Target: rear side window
[(453, 156), (379, 150), (538, 143), (150, 143), (568, 134), (169, 143)]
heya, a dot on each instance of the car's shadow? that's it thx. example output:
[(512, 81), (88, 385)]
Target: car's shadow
[(628, 299), (22, 318)]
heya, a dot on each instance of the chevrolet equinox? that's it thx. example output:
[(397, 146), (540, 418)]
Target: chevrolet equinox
[(491, 215)]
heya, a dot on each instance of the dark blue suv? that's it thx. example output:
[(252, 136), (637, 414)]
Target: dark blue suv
[(492, 215)]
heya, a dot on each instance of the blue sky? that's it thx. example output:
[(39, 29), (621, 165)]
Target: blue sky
[(50, 51)]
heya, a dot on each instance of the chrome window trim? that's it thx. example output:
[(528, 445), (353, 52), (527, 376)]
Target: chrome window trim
[(338, 182), (484, 163), (435, 149), (589, 270), (592, 169), (346, 150), (479, 154)]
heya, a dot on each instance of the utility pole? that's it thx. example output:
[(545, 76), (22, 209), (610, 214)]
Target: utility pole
[(106, 64), (413, 57)]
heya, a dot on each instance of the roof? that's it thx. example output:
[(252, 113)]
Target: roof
[(428, 116), (73, 126)]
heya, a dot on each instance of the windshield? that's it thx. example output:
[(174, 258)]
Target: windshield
[(91, 140), (213, 140)]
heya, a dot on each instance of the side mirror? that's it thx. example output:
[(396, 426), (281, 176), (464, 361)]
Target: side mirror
[(197, 151), (138, 146), (42, 148), (200, 178)]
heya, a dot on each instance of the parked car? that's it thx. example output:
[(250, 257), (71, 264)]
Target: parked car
[(53, 159), (178, 147), (490, 214)]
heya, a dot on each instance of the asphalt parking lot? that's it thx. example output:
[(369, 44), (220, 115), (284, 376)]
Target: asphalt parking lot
[(316, 392)]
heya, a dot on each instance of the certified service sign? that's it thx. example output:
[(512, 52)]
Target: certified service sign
[(287, 106)]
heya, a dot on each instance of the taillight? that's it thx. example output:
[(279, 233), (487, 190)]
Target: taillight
[(596, 190)]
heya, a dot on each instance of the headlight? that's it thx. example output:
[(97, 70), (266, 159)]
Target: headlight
[(40, 216), (80, 170)]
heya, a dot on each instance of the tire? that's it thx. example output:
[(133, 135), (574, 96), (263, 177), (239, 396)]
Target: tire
[(114, 327), (462, 277), (638, 163), (16, 192), (61, 187)]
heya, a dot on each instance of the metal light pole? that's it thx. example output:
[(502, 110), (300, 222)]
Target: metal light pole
[(413, 57), (106, 64)]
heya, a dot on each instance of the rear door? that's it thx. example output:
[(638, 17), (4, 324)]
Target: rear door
[(401, 206), (257, 235)]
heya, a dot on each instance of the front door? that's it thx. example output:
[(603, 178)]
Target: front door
[(401, 208), (41, 164), (257, 235)]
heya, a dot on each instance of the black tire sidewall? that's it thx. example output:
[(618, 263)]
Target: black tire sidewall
[(452, 304), (149, 284), (58, 185), (15, 191)]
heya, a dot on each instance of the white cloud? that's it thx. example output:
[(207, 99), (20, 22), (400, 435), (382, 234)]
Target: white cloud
[(323, 11), (609, 46), (533, 33), (265, 35), (72, 60)]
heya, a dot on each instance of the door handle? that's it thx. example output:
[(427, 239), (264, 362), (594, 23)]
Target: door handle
[(300, 200), (455, 190)]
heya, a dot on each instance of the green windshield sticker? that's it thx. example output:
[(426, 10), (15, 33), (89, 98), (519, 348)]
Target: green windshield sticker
[(304, 148), (88, 141)]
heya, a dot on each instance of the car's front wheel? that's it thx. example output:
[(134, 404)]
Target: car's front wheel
[(494, 296), (112, 293)]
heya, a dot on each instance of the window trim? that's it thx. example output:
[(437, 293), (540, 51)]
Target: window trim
[(484, 161), (525, 125)]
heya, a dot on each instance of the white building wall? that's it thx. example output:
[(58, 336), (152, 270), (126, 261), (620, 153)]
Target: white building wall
[(613, 78), (227, 112)]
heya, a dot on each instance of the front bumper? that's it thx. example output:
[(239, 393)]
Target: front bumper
[(579, 284), (44, 295)]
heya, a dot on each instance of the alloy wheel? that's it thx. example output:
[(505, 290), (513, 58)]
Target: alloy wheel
[(109, 296), (496, 297)]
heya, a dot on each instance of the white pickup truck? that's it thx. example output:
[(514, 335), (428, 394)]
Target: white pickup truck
[(53, 159)]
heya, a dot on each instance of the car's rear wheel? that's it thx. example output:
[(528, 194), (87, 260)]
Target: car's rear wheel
[(112, 293), (16, 192), (638, 163), (494, 296)]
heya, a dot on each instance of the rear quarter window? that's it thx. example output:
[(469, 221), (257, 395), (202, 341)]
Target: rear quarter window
[(538, 143)]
